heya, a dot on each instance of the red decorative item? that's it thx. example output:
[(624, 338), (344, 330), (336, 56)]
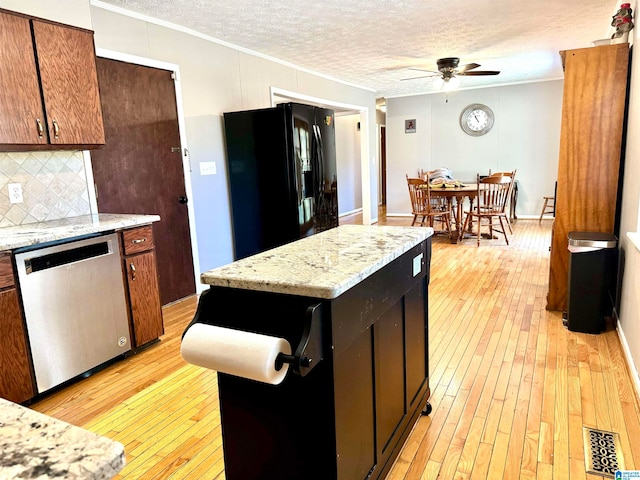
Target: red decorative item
[(623, 22)]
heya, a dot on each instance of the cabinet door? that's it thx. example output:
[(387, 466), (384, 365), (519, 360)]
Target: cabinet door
[(66, 59), (355, 410), (16, 383), (20, 101), (389, 353), (142, 279), (416, 344)]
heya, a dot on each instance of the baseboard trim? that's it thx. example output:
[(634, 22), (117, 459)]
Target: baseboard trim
[(352, 212), (633, 371)]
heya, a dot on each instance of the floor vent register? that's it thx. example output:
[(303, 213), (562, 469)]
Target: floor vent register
[(602, 452)]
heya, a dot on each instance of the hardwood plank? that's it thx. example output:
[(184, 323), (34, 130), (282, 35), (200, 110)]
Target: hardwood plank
[(498, 456), (471, 446), (481, 467)]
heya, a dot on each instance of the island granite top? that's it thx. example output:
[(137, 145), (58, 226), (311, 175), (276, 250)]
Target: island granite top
[(324, 265), (42, 232), (40, 447)]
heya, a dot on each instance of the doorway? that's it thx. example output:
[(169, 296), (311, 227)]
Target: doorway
[(140, 169)]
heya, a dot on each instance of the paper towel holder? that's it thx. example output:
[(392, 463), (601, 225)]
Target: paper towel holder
[(309, 351)]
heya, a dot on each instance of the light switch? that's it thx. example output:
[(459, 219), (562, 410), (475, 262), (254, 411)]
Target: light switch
[(15, 193), (207, 168)]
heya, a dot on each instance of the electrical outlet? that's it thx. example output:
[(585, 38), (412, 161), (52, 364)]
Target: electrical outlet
[(15, 193)]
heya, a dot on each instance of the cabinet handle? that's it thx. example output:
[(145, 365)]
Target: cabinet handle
[(139, 240), (56, 128), (133, 271), (40, 128)]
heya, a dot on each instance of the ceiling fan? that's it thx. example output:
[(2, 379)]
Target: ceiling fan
[(448, 71)]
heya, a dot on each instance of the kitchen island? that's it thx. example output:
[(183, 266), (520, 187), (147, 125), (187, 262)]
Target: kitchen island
[(352, 303), (36, 446)]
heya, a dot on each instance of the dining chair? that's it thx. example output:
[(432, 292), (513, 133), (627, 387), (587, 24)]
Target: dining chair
[(549, 204), (512, 195), (502, 174), (422, 204), (493, 195)]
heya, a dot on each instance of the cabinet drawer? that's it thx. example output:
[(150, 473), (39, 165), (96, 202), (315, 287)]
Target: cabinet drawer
[(137, 240), (6, 271)]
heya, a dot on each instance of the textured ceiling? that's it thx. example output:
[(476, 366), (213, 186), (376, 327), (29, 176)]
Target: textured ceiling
[(371, 43)]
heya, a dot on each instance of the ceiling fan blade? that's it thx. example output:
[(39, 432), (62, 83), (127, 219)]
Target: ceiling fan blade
[(434, 74), (423, 70), (466, 68), (479, 73)]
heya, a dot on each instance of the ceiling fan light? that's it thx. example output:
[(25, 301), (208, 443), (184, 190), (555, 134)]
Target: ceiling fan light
[(451, 83), (438, 83)]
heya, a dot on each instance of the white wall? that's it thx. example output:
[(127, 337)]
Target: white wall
[(629, 311), (217, 79), (525, 136), (71, 12), (348, 163)]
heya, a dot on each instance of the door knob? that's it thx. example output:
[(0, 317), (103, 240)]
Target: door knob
[(182, 199)]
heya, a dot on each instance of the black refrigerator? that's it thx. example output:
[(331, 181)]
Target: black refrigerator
[(281, 165)]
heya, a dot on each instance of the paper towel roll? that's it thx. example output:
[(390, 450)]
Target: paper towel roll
[(244, 354)]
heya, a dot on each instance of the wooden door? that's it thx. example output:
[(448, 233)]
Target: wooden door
[(142, 280), (139, 170), (20, 103), (66, 59)]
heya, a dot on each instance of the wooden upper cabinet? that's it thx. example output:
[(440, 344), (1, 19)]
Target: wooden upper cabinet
[(20, 100), (61, 107), (66, 58)]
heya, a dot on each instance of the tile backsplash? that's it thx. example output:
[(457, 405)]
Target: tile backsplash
[(54, 185)]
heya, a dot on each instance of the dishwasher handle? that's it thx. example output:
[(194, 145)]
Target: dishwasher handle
[(65, 257)]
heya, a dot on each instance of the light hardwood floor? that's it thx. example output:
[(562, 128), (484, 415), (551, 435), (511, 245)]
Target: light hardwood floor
[(511, 388)]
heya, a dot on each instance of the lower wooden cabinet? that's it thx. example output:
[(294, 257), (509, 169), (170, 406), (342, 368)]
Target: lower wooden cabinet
[(142, 284), (16, 381), (145, 313)]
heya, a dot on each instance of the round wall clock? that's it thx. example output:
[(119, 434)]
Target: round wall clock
[(476, 119)]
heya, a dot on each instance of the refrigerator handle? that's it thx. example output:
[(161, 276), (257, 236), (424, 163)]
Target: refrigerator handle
[(319, 161)]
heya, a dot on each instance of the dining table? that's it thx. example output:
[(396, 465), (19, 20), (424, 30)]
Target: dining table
[(466, 190)]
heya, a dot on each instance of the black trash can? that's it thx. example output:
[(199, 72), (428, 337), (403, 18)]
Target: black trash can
[(592, 262)]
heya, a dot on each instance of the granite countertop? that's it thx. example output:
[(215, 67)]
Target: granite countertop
[(36, 446), (42, 232), (324, 265)]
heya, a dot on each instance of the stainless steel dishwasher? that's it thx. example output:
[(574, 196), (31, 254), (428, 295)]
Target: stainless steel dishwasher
[(75, 308)]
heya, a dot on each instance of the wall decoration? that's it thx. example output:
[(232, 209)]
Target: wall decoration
[(410, 126)]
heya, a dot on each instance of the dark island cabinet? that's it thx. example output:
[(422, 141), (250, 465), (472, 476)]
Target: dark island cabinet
[(378, 401), (349, 416)]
